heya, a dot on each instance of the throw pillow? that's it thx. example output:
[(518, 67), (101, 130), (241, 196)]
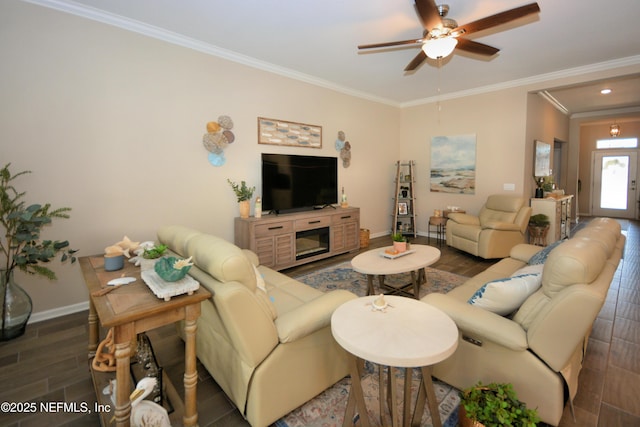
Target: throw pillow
[(259, 280), (503, 296), (263, 298), (541, 257), (529, 269)]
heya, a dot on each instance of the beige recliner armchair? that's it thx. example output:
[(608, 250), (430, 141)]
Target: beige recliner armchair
[(500, 225), (264, 337)]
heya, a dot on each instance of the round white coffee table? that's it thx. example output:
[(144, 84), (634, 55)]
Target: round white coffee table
[(374, 263), (407, 334)]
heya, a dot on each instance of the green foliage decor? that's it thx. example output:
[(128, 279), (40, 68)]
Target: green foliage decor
[(539, 220), (154, 252), (398, 237), (20, 244), (497, 405), (242, 191)]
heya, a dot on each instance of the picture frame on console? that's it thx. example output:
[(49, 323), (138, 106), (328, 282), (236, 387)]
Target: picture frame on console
[(282, 132)]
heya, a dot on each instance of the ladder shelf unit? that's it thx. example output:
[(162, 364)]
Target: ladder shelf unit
[(404, 215)]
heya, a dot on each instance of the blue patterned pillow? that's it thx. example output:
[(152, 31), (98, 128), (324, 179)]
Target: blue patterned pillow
[(503, 296), (541, 257)]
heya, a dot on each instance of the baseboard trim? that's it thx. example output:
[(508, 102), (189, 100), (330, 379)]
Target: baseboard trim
[(57, 312)]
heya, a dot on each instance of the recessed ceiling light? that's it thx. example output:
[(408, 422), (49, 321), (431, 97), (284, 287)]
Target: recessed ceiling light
[(605, 91)]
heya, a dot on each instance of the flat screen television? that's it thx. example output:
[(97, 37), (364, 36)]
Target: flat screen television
[(294, 183)]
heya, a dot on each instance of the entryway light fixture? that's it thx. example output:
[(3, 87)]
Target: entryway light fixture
[(614, 130), (439, 47)]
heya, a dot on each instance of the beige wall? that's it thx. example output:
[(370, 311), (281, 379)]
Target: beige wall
[(545, 123), (498, 121), (111, 123)]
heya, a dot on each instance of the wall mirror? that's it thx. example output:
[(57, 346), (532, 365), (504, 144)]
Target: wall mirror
[(542, 159)]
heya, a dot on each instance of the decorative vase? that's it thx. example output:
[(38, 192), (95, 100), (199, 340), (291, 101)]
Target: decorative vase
[(245, 207), (400, 246), (16, 307)]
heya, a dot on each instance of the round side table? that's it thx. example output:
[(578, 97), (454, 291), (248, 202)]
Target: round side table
[(407, 334), (439, 222)]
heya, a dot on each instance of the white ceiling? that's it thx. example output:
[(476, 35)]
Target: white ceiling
[(316, 41)]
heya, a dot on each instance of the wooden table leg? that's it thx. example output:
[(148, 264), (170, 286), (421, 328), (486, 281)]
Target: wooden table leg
[(122, 338), (370, 290), (422, 276), (94, 335), (426, 390), (356, 395), (406, 412), (190, 417), (381, 278), (416, 285), (381, 399), (393, 389)]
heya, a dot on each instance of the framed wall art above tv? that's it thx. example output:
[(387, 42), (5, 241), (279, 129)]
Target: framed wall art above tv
[(282, 132)]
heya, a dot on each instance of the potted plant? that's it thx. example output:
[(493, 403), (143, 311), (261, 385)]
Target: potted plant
[(399, 242), (494, 405), (21, 247), (538, 227), (243, 194)]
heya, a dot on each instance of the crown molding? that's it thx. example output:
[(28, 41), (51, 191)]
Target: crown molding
[(553, 101), (533, 80), (611, 112), (197, 45), (95, 14)]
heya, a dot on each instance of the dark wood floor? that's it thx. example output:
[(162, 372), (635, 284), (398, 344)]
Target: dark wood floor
[(49, 363)]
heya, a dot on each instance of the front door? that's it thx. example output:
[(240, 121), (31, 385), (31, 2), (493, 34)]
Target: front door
[(614, 186)]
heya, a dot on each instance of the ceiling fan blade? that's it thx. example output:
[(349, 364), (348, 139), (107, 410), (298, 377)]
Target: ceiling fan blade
[(475, 47), (428, 13), (389, 44), (498, 19), (419, 59)]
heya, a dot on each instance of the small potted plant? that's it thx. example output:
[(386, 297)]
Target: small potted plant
[(244, 195), (494, 405), (538, 228), (399, 242)]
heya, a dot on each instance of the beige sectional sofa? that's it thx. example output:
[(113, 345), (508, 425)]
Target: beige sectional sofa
[(264, 337), (539, 347)]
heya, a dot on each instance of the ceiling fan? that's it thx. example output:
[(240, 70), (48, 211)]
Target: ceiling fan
[(442, 35)]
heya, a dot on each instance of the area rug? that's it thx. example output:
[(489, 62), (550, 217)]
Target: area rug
[(342, 276), (329, 407)]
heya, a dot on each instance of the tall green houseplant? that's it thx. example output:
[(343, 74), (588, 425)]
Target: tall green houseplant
[(21, 247)]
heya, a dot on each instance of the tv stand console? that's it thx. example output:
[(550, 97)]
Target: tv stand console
[(286, 240)]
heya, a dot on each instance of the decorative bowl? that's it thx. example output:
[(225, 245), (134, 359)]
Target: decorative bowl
[(166, 271)]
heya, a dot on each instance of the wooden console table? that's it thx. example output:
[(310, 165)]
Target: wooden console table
[(278, 240), (558, 209), (132, 309)]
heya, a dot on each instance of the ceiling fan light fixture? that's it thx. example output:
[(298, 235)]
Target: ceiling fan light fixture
[(439, 47), (614, 130)]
